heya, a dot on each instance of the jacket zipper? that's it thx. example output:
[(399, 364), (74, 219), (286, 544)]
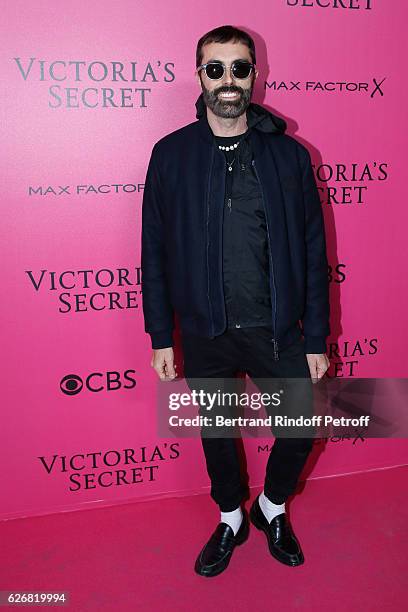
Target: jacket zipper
[(274, 340), (208, 242)]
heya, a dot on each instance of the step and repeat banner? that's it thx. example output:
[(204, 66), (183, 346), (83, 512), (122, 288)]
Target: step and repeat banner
[(88, 88)]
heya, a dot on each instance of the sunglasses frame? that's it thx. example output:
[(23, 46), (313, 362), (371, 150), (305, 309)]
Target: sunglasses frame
[(224, 66)]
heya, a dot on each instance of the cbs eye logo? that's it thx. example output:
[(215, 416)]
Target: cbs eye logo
[(72, 384)]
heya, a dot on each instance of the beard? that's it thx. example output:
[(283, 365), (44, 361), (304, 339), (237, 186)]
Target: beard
[(228, 109)]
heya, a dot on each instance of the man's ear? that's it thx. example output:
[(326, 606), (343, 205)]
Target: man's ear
[(256, 75), (198, 77)]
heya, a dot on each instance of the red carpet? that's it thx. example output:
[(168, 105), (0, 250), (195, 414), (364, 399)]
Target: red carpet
[(140, 556)]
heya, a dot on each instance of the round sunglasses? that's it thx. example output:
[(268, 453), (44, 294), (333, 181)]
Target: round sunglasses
[(240, 69)]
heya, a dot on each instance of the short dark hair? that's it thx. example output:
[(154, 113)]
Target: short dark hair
[(224, 34)]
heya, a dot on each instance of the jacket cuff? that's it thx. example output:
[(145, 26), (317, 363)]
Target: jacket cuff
[(162, 339), (315, 344)]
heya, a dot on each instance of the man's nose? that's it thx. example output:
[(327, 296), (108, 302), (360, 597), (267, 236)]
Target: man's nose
[(227, 78)]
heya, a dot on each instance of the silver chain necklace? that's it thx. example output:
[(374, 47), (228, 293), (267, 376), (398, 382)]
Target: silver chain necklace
[(230, 165)]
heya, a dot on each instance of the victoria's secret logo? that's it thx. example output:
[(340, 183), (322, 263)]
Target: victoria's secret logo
[(112, 467), (348, 183), (83, 290), (147, 74), (335, 4), (346, 355)]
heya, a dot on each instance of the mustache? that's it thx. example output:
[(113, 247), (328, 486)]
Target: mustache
[(225, 89)]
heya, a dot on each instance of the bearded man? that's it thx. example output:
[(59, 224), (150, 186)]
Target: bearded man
[(233, 244)]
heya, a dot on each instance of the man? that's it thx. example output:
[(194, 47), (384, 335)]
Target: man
[(233, 243)]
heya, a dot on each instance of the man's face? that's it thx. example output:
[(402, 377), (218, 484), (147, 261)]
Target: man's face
[(227, 97)]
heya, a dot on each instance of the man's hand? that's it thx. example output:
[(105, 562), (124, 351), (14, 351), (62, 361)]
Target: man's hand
[(163, 362), (318, 364)]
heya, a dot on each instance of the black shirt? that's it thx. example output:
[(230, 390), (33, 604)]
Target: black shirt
[(245, 240)]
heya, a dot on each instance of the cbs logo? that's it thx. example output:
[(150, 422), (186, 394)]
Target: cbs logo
[(72, 384)]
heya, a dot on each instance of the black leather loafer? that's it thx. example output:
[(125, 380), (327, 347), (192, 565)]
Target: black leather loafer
[(282, 542), (216, 554)]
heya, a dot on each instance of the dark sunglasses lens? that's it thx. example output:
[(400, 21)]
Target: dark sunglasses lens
[(214, 71), (241, 70)]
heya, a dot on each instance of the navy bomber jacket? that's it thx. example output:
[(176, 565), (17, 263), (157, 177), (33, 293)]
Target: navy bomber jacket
[(182, 212)]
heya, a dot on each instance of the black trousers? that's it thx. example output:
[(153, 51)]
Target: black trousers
[(250, 350)]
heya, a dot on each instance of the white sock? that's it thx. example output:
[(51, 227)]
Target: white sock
[(233, 519), (270, 509)]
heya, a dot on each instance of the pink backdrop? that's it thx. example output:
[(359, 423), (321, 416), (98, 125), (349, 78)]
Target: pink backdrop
[(76, 143)]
